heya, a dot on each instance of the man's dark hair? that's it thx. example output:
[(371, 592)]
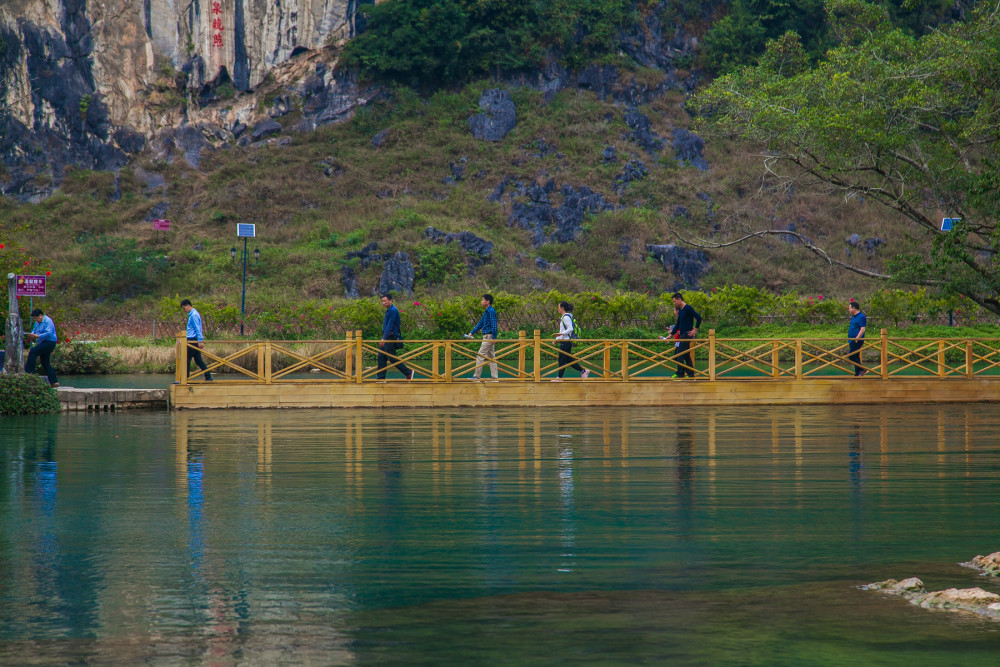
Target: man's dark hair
[(488, 297), (36, 312), (854, 304), (185, 302), (678, 295), (567, 306), (387, 295)]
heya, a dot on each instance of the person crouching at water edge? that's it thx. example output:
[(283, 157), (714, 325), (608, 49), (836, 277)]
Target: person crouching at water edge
[(195, 334), (390, 333), (567, 332), (45, 337)]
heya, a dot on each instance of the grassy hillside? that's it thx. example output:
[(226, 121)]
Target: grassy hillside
[(330, 192)]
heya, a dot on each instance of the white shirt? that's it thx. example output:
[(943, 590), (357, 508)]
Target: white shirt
[(565, 327)]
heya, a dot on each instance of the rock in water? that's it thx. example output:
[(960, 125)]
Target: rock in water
[(498, 118)]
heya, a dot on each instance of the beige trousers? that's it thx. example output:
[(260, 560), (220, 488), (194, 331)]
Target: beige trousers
[(487, 351)]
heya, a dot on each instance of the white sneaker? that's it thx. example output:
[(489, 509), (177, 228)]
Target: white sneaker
[(585, 374)]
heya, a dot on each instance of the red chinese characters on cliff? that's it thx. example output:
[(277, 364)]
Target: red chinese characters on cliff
[(217, 24)]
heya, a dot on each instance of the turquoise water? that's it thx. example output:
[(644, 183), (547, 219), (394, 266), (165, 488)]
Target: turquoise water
[(607, 536)]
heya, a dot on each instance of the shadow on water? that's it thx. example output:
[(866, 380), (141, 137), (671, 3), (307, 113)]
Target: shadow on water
[(503, 536)]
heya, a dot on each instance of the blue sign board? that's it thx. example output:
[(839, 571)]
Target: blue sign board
[(247, 230), (946, 223)]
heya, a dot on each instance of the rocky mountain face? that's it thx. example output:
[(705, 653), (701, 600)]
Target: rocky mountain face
[(87, 82)]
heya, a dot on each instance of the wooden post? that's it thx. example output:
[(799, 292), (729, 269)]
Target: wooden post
[(447, 361), (884, 354), (625, 361), (268, 355), (349, 354), (14, 360), (520, 355), (262, 350), (537, 344), (435, 362), (940, 359), (798, 358), (182, 359), (711, 354), (607, 359), (775, 369), (178, 355), (359, 366), (969, 371)]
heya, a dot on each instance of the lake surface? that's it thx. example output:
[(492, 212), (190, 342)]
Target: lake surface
[(515, 536)]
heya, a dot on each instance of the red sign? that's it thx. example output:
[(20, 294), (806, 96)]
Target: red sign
[(161, 225), (30, 286)]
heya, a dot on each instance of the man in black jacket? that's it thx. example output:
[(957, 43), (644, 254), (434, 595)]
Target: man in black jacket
[(688, 321), (390, 334)]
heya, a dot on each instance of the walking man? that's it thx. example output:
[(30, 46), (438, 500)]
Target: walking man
[(390, 332), (856, 337), (44, 334), (195, 334), (567, 332), (487, 350), (688, 321)]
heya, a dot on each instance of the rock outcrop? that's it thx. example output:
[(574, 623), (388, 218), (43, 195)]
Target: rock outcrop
[(397, 275), (498, 116), (974, 600), (685, 264)]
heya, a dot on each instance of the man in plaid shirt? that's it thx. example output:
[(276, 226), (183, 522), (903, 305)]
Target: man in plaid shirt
[(488, 325)]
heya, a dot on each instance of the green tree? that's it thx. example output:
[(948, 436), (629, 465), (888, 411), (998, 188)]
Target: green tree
[(908, 122)]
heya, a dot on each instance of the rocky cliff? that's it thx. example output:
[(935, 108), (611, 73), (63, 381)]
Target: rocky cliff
[(86, 82)]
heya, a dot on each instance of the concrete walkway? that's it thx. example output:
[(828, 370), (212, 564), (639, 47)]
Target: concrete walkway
[(105, 400)]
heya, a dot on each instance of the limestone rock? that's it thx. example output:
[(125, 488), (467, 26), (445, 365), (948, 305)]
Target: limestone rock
[(989, 564), (688, 147), (685, 264), (479, 248), (397, 275), (498, 117)]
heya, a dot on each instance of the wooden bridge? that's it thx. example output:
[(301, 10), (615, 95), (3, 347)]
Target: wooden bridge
[(743, 371)]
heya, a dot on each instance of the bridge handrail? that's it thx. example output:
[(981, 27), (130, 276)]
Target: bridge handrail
[(535, 358)]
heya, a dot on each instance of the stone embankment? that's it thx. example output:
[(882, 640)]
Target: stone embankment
[(973, 600), (110, 400)]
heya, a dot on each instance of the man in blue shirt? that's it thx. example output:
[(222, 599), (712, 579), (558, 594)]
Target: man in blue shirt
[(856, 337), (487, 350), (390, 332), (45, 337), (195, 334)]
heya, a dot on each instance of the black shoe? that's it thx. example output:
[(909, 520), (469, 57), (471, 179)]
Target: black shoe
[(208, 377)]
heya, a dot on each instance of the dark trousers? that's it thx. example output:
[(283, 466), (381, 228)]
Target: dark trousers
[(42, 351), (854, 348), (383, 360), (195, 353), (682, 353), (565, 347)]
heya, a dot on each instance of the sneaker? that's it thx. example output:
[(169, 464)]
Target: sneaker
[(585, 374), (54, 384), (475, 378), (675, 376), (410, 376), (557, 379)]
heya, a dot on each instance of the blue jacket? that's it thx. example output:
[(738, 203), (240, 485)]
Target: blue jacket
[(391, 324), (46, 330), (195, 331)]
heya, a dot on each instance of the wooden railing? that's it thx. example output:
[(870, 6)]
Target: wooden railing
[(535, 359)]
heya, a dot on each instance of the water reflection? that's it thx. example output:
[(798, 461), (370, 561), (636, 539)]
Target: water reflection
[(201, 536)]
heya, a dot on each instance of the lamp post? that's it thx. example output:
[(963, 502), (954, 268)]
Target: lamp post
[(245, 231)]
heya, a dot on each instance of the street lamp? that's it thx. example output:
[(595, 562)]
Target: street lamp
[(244, 231)]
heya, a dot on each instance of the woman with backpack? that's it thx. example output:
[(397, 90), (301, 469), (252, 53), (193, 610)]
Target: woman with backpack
[(567, 332)]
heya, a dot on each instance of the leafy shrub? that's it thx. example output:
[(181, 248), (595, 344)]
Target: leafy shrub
[(23, 394), (438, 263), (82, 359), (118, 267)]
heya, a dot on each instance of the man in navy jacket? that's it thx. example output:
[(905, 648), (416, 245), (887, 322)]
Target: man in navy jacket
[(390, 332)]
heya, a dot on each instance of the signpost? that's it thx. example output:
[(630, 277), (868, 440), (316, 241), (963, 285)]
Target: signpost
[(245, 231), (161, 225), (30, 286)]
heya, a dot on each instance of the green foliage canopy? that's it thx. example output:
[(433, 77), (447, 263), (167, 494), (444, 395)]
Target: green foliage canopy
[(430, 43), (908, 122)]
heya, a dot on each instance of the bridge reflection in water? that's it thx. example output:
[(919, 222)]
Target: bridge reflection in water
[(397, 536)]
